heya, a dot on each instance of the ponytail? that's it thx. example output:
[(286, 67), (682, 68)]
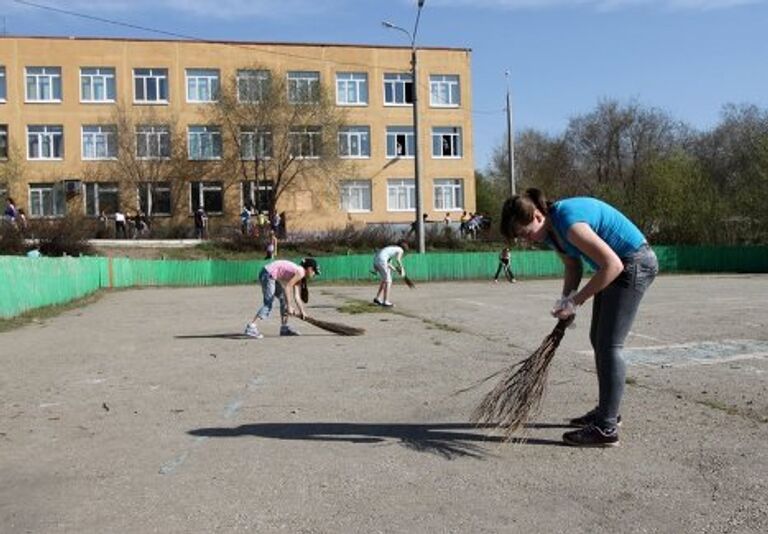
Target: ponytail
[(518, 210)]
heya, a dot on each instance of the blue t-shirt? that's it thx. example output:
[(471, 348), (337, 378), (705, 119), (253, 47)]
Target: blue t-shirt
[(607, 222)]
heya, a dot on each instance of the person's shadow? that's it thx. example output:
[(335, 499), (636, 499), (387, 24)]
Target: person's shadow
[(449, 440)]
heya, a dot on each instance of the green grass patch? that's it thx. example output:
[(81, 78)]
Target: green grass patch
[(354, 307), (39, 315)]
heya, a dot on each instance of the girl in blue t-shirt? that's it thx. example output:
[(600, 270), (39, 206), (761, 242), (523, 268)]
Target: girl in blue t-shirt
[(590, 229)]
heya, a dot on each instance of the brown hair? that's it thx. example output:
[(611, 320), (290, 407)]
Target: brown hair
[(518, 211)]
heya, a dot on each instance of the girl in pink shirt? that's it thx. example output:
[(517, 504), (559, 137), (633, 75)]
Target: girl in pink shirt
[(282, 279)]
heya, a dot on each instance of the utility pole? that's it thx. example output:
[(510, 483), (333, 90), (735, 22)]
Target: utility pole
[(510, 141)]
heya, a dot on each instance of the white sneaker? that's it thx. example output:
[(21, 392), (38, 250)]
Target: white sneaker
[(387, 304), (252, 331)]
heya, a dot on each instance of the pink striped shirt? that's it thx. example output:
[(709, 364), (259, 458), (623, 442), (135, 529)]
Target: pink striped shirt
[(284, 270)]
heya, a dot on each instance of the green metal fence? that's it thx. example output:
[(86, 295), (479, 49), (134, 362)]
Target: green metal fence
[(28, 283)]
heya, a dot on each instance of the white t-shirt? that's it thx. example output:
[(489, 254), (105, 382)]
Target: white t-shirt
[(387, 253)]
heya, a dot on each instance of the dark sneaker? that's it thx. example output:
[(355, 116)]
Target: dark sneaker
[(592, 436), (288, 330), (589, 418), (378, 302)]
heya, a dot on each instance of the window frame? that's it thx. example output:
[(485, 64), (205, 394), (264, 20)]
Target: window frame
[(54, 80), (204, 186), (297, 79), (3, 85), (149, 135), (154, 73), (109, 78), (58, 200), (400, 185), (249, 191), (92, 199), (308, 136), (262, 142), (262, 80), (107, 131), (364, 189), (215, 141), (438, 82), (4, 142), (363, 135), (57, 131), (357, 79), (212, 84), (146, 193), (456, 193), (396, 80), (393, 132), (454, 135)]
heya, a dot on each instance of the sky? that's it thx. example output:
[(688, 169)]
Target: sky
[(685, 57)]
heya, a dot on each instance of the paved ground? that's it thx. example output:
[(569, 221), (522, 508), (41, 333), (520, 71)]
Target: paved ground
[(148, 412)]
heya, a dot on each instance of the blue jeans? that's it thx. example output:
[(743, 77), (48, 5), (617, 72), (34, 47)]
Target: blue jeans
[(271, 289), (613, 312)]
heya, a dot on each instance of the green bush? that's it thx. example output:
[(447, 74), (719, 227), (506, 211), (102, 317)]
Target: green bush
[(11, 240), (63, 237)]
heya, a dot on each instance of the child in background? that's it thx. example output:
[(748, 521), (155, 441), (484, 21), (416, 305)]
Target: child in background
[(504, 266), (283, 279), (383, 264)]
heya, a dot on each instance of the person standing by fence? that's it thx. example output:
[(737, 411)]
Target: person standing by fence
[(504, 265)]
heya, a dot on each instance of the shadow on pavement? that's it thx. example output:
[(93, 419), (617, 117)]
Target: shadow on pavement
[(449, 440)]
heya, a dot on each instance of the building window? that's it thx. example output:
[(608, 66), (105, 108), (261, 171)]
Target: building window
[(45, 142), (351, 88), (400, 142), (255, 143), (449, 194), (446, 142), (153, 141), (2, 84), (97, 84), (209, 195), (401, 195), (99, 142), (305, 142), (204, 142), (150, 85), (356, 195), (46, 200), (101, 197), (3, 141), (355, 142), (444, 90), (398, 89), (155, 198), (258, 195), (303, 86), (252, 85), (202, 85), (43, 84)]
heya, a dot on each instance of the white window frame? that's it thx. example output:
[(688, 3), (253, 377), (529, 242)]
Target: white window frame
[(448, 194), (351, 88), (452, 135), (156, 75), (94, 190), (253, 82), (309, 137), (255, 142), (37, 200), (46, 135), (357, 141), (99, 142), (203, 85), (356, 196), (4, 146), (204, 187), (396, 89), (46, 86), (404, 134), (249, 192), (203, 136), (444, 90), (303, 86), (3, 85), (151, 137), (150, 190), (403, 191), (98, 79)]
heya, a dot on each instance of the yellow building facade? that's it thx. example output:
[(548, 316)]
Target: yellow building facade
[(58, 101)]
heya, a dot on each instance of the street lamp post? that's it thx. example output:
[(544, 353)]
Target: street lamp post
[(415, 101), (510, 141)]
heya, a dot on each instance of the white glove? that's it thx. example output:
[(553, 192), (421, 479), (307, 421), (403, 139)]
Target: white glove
[(565, 307)]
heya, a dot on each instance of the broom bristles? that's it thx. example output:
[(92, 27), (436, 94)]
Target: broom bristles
[(409, 282), (336, 328), (517, 396)]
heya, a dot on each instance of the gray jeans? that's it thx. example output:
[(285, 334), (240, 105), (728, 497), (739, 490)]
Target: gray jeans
[(613, 312)]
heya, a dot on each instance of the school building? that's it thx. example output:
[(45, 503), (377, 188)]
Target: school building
[(58, 102)]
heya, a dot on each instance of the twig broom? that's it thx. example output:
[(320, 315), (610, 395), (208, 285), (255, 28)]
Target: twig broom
[(517, 396), (336, 328)]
